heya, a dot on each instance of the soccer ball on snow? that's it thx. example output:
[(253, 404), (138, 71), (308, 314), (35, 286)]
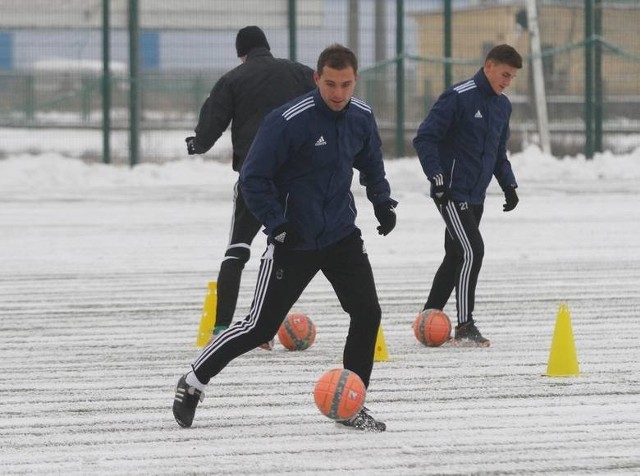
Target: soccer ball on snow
[(339, 394), (432, 327), (297, 332)]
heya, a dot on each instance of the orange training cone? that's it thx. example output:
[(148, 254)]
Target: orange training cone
[(563, 361), (208, 319)]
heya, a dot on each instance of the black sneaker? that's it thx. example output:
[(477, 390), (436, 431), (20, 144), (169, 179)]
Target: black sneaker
[(468, 335), (364, 421), (185, 402)]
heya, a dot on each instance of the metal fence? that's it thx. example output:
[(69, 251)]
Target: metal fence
[(164, 56)]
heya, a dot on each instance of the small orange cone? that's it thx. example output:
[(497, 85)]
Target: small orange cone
[(381, 354), (563, 361), (208, 319)]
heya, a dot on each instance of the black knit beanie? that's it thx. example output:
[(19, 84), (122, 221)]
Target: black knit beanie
[(250, 37)]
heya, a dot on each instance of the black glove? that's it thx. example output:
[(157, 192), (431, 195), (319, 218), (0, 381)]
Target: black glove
[(510, 198), (439, 190), (286, 236), (193, 147), (386, 216)]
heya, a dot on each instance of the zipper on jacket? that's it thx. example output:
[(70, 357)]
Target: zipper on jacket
[(453, 166), (286, 204)]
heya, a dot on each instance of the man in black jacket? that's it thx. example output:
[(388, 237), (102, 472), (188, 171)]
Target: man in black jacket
[(242, 97)]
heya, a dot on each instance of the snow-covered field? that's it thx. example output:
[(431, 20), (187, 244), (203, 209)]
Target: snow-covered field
[(104, 270)]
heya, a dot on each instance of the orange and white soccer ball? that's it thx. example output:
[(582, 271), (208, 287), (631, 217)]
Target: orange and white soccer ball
[(432, 327), (297, 332), (339, 394)]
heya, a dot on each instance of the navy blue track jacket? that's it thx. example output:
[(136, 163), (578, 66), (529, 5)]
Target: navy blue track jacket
[(300, 168), (464, 138)]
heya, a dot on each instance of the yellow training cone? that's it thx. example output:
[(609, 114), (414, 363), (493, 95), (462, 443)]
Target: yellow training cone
[(381, 354), (563, 361), (208, 319)]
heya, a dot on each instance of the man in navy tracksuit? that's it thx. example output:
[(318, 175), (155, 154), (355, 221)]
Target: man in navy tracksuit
[(461, 144), (296, 179)]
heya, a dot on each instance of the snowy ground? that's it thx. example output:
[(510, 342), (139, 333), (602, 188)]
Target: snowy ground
[(102, 279)]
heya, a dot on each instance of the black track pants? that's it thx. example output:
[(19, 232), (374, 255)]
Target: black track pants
[(464, 252), (282, 277), (244, 228)]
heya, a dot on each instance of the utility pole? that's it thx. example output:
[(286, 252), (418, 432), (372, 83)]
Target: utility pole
[(538, 77)]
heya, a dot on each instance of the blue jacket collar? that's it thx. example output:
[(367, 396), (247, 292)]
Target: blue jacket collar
[(483, 83), (326, 110)]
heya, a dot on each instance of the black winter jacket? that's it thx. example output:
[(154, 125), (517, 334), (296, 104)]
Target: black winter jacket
[(244, 95)]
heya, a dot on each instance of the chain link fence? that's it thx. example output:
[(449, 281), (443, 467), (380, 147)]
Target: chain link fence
[(52, 64)]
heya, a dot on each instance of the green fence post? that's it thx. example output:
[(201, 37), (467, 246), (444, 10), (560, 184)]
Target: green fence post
[(106, 85), (85, 98), (30, 99), (400, 78), (448, 76), (292, 31), (597, 77), (588, 78), (134, 84)]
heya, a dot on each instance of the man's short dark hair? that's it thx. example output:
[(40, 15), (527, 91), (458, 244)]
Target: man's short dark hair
[(336, 56), (505, 54)]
